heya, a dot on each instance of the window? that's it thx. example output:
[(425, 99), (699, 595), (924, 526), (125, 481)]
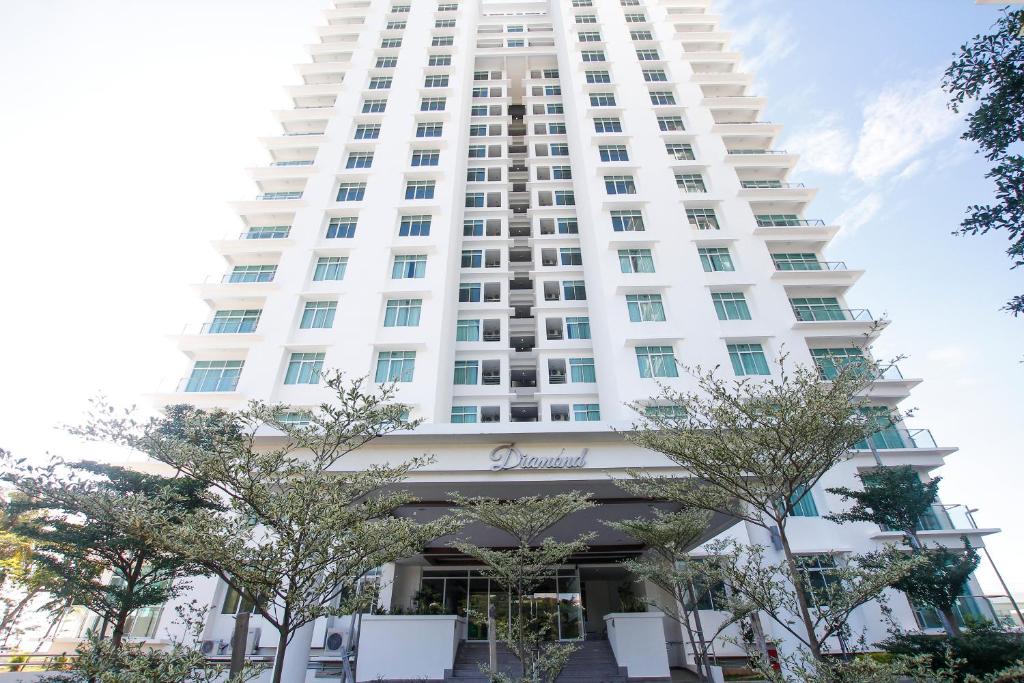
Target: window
[(478, 130), (586, 412), (586, 19), (318, 315), (402, 312), (656, 361), (593, 56), (748, 359), (645, 308), (395, 366), (715, 259), (476, 175), (442, 41), (691, 182), (641, 35), (448, 7), (582, 370), (390, 43), (817, 308), (630, 220), (559, 149), (469, 292), (472, 258), (672, 412), (463, 414), (802, 503), (554, 108), (233, 600), (702, 219), (425, 157), (570, 256), (680, 150), (409, 266), (341, 227), (589, 37), (730, 305), (577, 327), (242, 274), (820, 578), (351, 192), (831, 362), (414, 226), (359, 160), (481, 92), (607, 125), (654, 75), (602, 99), (635, 18), (435, 81), (582, 3), (367, 131), (636, 261), (565, 198), (561, 172), (556, 129), (467, 330), (552, 90), (574, 290), (374, 106), (304, 368), (330, 268), (670, 123), (419, 189), (478, 110), (467, 372), (388, 62), (647, 55), (598, 77), (380, 83), (214, 375), (268, 232), (613, 153), (568, 226), (619, 184), (473, 228), (393, 26), (433, 103), (475, 200), (439, 60), (399, 9), (234, 321), (796, 261), (429, 130), (444, 23), (778, 220), (662, 97)]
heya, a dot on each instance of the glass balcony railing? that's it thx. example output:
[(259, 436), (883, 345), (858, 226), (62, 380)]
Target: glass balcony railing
[(895, 438), (788, 222), (832, 314), (809, 265), (756, 151), (769, 185), (270, 196), (945, 517), (967, 608)]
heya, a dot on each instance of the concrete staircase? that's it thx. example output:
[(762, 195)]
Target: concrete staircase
[(592, 663)]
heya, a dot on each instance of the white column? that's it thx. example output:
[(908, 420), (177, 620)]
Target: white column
[(296, 657)]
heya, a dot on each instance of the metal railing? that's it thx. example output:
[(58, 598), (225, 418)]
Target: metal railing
[(800, 266), (301, 162), (806, 315), (769, 185), (966, 608), (247, 326), (896, 438), (756, 151), (789, 222), (271, 196)]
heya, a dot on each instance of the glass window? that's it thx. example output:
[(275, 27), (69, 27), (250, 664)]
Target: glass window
[(554, 108), (359, 160), (574, 290), (802, 502), (654, 75), (607, 125), (730, 305), (408, 266), (475, 200), (561, 172), (589, 37), (268, 232), (559, 149), (619, 184), (831, 361), (681, 151), (577, 327), (388, 62), (816, 308), (627, 221), (469, 292), (241, 274), (464, 414), (380, 82), (702, 219), (598, 77), (476, 175), (234, 321), (586, 412), (395, 366), (351, 192), (435, 81), (304, 368), (613, 153), (796, 261), (425, 157), (330, 268), (472, 258), (442, 41), (748, 359), (433, 104), (656, 361), (467, 372), (570, 256), (341, 227), (602, 99), (636, 261), (568, 226), (473, 228), (645, 308), (439, 60), (374, 106), (821, 578), (318, 315), (662, 97), (582, 370), (419, 189), (391, 42), (641, 35), (715, 259), (691, 182), (214, 375), (429, 130), (467, 330), (671, 123), (414, 226), (565, 198), (477, 151), (778, 220), (402, 312), (593, 56)]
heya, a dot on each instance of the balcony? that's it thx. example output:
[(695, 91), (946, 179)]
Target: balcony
[(967, 608), (815, 274), (943, 524)]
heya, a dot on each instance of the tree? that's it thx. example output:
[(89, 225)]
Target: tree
[(88, 526), (752, 450), (520, 568), (896, 498), (296, 534), (989, 72), (22, 579)]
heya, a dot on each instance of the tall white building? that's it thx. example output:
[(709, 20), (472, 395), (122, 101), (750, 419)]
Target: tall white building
[(525, 212)]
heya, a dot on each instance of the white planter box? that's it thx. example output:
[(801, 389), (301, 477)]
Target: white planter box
[(407, 646), (638, 642)]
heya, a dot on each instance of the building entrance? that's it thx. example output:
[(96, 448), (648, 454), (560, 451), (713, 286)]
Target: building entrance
[(604, 590)]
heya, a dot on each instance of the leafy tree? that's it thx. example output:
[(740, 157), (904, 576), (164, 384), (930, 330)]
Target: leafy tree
[(22, 579), (296, 533), (989, 72), (752, 450), (896, 498), (980, 652), (520, 569), (91, 537)]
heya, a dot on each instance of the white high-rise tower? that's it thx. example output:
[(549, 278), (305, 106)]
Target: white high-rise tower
[(527, 213)]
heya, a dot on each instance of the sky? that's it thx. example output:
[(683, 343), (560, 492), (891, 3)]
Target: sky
[(126, 127)]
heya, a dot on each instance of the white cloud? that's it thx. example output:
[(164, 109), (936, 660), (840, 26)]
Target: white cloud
[(765, 37), (826, 148), (901, 123), (860, 214)]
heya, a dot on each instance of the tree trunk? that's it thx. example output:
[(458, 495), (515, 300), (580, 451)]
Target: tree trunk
[(12, 616), (801, 599), (949, 621), (118, 635), (282, 645)]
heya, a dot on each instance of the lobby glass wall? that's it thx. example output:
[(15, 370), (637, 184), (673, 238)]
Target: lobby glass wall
[(556, 600)]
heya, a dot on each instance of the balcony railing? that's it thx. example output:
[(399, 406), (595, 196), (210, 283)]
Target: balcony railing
[(302, 162), (945, 517), (895, 438), (756, 151), (768, 185), (806, 315), (271, 196), (789, 222), (787, 266), (967, 607)]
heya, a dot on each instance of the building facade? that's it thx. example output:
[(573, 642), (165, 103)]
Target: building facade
[(527, 213)]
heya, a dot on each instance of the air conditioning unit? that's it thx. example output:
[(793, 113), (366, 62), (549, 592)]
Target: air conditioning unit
[(336, 641), (213, 647), (252, 641)]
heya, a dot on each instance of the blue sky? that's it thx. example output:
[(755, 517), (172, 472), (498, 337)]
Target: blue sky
[(127, 126)]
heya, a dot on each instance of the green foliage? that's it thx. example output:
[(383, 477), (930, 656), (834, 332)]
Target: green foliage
[(892, 497), (983, 648), (988, 73), (89, 527)]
